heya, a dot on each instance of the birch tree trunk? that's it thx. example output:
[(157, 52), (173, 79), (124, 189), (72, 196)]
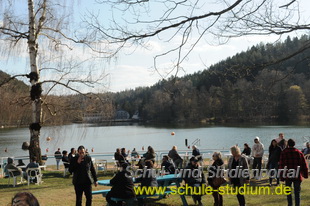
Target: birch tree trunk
[(36, 89)]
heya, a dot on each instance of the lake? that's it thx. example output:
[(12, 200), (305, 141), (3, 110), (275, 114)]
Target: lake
[(105, 139)]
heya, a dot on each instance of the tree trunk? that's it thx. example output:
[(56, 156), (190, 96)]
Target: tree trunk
[(36, 89)]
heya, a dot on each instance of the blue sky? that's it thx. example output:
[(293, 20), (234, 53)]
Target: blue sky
[(133, 68)]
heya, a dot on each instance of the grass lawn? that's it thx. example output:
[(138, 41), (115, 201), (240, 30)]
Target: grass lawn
[(57, 190)]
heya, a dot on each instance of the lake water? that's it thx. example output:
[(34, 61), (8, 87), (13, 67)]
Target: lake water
[(105, 139)]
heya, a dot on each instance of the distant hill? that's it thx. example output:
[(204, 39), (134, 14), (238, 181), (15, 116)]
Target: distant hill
[(13, 85), (264, 83), (15, 107)]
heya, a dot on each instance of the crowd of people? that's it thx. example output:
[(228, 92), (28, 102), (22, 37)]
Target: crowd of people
[(281, 154)]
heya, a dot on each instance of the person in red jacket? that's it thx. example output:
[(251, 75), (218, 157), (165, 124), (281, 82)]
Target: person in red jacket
[(292, 158)]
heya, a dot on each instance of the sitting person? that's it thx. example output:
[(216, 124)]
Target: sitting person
[(122, 186), (125, 153), (174, 155), (306, 150), (150, 154), (134, 153), (167, 165), (148, 179), (11, 166), (119, 157), (21, 163), (33, 164), (193, 179)]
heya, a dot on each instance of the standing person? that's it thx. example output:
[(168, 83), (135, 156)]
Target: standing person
[(273, 160), (122, 186), (257, 153), (84, 175), (282, 144), (236, 164), (292, 158), (247, 150), (174, 155), (65, 159), (216, 166), (281, 137), (194, 178), (58, 157), (71, 154)]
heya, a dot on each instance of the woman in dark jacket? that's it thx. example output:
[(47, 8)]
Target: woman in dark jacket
[(213, 170), (247, 150), (192, 178), (122, 186), (150, 154), (273, 159)]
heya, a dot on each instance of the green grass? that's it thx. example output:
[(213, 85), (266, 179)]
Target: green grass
[(57, 190)]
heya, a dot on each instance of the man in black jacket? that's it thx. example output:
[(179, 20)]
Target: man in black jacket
[(84, 175)]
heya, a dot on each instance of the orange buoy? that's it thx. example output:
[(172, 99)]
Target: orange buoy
[(172, 133), (48, 138)]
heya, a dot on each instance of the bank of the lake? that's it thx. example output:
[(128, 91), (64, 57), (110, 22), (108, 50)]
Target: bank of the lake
[(103, 139)]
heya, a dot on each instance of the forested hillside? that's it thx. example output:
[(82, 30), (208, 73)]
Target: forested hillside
[(14, 102), (258, 85)]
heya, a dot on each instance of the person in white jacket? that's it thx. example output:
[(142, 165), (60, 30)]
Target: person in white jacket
[(257, 153)]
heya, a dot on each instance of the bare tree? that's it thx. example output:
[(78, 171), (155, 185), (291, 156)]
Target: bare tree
[(183, 24), (41, 28)]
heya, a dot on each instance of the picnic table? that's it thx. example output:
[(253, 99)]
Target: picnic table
[(164, 181)]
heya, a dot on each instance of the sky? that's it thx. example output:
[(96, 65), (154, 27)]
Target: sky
[(134, 68)]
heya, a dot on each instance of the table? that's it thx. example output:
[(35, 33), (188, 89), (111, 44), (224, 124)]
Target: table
[(42, 167), (164, 181)]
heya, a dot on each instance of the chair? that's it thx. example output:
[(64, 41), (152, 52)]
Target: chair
[(66, 167), (11, 175), (101, 165), (34, 174), (117, 165)]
